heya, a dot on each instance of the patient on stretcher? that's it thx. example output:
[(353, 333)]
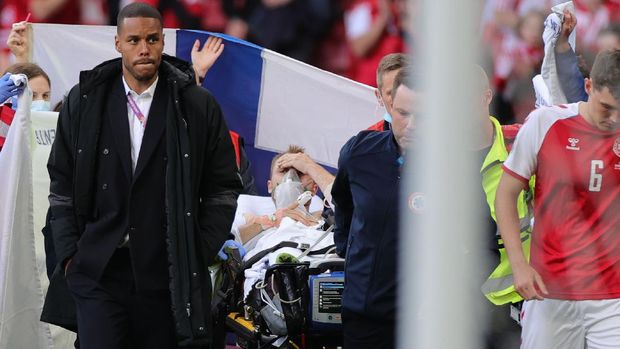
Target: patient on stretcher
[(281, 228), (285, 186)]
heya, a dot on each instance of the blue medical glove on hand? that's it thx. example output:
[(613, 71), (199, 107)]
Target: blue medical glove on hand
[(230, 244), (8, 88)]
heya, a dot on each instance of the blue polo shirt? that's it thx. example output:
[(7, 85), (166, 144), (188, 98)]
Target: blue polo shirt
[(366, 198)]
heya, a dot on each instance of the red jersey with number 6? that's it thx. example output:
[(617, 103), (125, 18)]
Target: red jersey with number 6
[(576, 236)]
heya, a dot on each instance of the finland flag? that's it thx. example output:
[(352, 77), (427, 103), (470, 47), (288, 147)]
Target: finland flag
[(271, 100)]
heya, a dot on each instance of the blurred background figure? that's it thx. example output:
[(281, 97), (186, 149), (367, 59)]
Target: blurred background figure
[(511, 33), (373, 30), (349, 37), (515, 63), (609, 38), (186, 14), (291, 27), (592, 16)]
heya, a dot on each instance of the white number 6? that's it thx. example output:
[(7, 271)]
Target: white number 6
[(596, 179)]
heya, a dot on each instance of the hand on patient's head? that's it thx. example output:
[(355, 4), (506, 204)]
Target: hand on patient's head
[(303, 164), (299, 161)]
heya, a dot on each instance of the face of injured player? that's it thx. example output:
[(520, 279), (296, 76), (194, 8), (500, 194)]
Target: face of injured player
[(278, 173), (603, 109)]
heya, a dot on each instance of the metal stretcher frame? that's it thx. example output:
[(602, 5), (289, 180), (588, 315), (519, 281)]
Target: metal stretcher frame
[(251, 335)]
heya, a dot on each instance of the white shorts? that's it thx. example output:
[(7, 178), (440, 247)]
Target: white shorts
[(564, 324)]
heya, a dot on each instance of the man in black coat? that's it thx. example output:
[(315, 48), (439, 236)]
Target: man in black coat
[(143, 193)]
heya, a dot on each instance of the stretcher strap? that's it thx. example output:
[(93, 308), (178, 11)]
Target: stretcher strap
[(257, 257)]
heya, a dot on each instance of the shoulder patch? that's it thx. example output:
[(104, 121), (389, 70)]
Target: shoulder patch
[(510, 134), (376, 127), (510, 131)]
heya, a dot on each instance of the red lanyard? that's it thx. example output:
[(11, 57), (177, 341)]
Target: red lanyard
[(136, 110)]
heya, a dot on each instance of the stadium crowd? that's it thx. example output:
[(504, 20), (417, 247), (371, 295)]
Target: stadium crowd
[(349, 37)]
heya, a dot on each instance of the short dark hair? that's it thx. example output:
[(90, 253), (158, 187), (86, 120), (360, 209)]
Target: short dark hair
[(606, 72), (137, 9), (407, 77), (390, 62), (31, 71)]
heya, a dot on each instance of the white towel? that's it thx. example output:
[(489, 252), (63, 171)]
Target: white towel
[(549, 92)]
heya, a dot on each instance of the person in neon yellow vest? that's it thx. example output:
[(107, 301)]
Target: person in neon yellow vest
[(493, 147)]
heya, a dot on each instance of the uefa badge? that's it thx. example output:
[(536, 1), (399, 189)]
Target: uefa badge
[(417, 202), (616, 147)]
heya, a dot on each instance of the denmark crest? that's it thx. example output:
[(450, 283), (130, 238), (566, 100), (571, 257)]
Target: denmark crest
[(416, 202), (616, 147)]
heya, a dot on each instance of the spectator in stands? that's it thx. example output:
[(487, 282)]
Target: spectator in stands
[(332, 50), (521, 53), (372, 31), (60, 11), (593, 16), (614, 10), (48, 11), (609, 38), (290, 27), (516, 63), (186, 14)]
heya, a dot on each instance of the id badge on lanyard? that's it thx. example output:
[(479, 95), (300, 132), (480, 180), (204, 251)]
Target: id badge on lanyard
[(136, 111)]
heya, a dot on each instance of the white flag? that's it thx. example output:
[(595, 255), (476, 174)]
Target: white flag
[(21, 297)]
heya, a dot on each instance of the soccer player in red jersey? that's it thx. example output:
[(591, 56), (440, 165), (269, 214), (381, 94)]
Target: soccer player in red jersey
[(572, 282)]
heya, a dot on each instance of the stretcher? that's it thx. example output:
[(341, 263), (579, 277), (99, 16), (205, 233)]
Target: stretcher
[(297, 305)]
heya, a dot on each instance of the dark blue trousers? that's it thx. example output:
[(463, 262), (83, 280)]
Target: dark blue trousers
[(112, 314), (361, 332)]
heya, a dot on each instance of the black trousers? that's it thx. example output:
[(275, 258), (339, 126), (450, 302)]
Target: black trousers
[(361, 332), (112, 314)]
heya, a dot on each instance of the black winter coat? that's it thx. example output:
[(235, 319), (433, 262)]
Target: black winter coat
[(201, 188)]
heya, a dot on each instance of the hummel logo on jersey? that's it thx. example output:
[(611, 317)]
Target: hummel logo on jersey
[(573, 144)]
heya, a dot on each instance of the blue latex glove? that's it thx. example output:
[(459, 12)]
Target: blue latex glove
[(8, 88), (230, 244)]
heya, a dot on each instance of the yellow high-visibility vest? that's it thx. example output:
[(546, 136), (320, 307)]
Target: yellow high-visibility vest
[(499, 287)]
